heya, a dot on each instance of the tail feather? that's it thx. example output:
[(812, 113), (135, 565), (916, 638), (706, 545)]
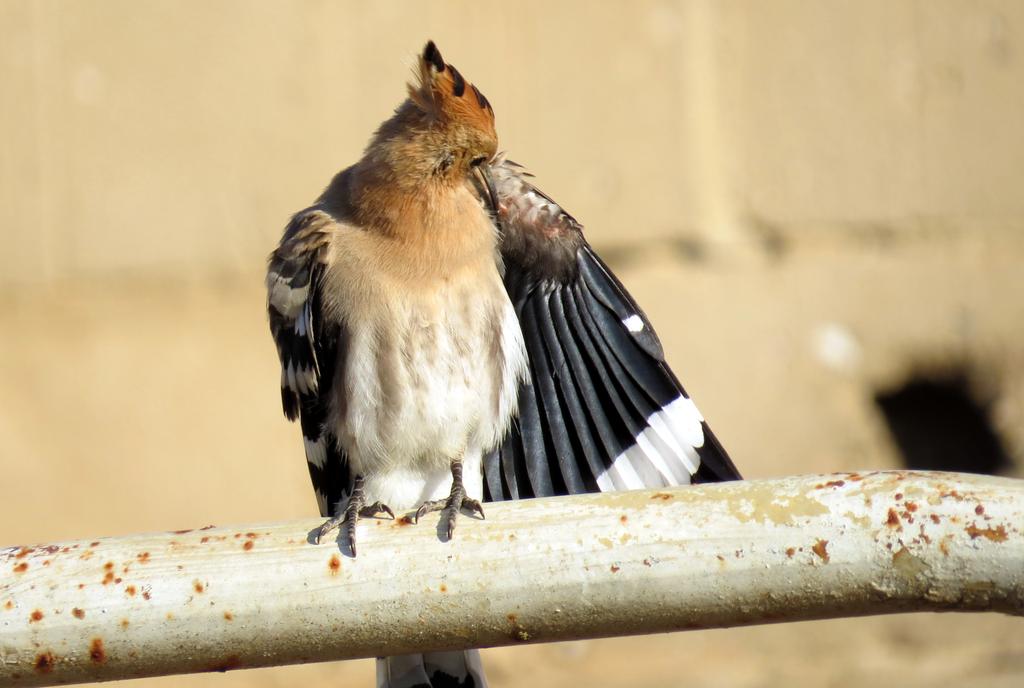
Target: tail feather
[(432, 670)]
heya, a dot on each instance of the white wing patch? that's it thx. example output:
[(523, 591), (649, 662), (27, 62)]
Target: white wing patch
[(684, 418), (665, 453), (283, 297), (316, 451), (634, 323)]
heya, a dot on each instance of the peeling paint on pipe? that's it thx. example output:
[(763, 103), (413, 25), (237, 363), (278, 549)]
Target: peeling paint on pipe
[(218, 599)]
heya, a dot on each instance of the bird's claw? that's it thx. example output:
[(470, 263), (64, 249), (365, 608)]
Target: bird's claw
[(329, 525), (450, 508), (376, 509), (353, 512)]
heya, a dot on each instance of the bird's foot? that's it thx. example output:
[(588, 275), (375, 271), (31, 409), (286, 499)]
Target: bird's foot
[(354, 510), (450, 508)]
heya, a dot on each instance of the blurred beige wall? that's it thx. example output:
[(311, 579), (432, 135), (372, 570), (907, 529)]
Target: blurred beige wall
[(813, 200), (175, 138)]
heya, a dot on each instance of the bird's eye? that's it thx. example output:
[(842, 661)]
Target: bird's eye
[(475, 162)]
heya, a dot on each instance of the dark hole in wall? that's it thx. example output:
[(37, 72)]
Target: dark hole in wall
[(939, 425)]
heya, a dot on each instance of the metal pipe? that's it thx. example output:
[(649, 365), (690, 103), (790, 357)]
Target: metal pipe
[(215, 599)]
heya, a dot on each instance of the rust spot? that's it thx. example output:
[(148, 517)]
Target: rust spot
[(97, 655), (790, 551), (81, 585), (146, 595), (9, 605), (238, 535), (443, 588), (35, 616), (51, 549), (614, 568), (899, 496), (997, 534), (124, 623), (23, 552), (334, 564), (143, 557), (180, 532), (855, 477), (203, 540), (228, 616), (911, 506), (944, 548), (831, 483), (251, 535), (109, 566), (935, 518), (94, 543), (247, 546), (130, 590), (87, 554), (518, 633), (979, 509), (78, 613), (209, 527), (227, 664), (45, 662), (117, 580), (952, 493), (21, 568), (404, 521), (647, 562), (664, 496), (893, 520), (821, 549), (46, 562), (197, 586)]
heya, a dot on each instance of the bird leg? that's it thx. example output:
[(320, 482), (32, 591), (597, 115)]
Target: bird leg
[(457, 500), (354, 510)]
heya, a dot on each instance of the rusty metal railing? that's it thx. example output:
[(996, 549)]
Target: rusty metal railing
[(535, 571)]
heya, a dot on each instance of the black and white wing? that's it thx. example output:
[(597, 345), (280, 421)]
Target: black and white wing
[(309, 347), (603, 410)]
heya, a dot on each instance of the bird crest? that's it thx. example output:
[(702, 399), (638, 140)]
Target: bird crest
[(444, 95)]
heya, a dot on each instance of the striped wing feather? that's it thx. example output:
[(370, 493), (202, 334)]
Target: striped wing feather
[(603, 411), (309, 348)]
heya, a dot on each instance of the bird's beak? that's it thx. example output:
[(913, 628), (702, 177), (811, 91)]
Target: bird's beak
[(482, 172)]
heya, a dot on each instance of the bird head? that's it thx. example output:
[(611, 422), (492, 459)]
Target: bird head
[(443, 130)]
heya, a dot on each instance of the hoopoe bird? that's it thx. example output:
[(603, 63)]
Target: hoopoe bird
[(448, 337)]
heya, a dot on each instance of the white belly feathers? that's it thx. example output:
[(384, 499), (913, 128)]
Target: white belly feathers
[(434, 380)]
